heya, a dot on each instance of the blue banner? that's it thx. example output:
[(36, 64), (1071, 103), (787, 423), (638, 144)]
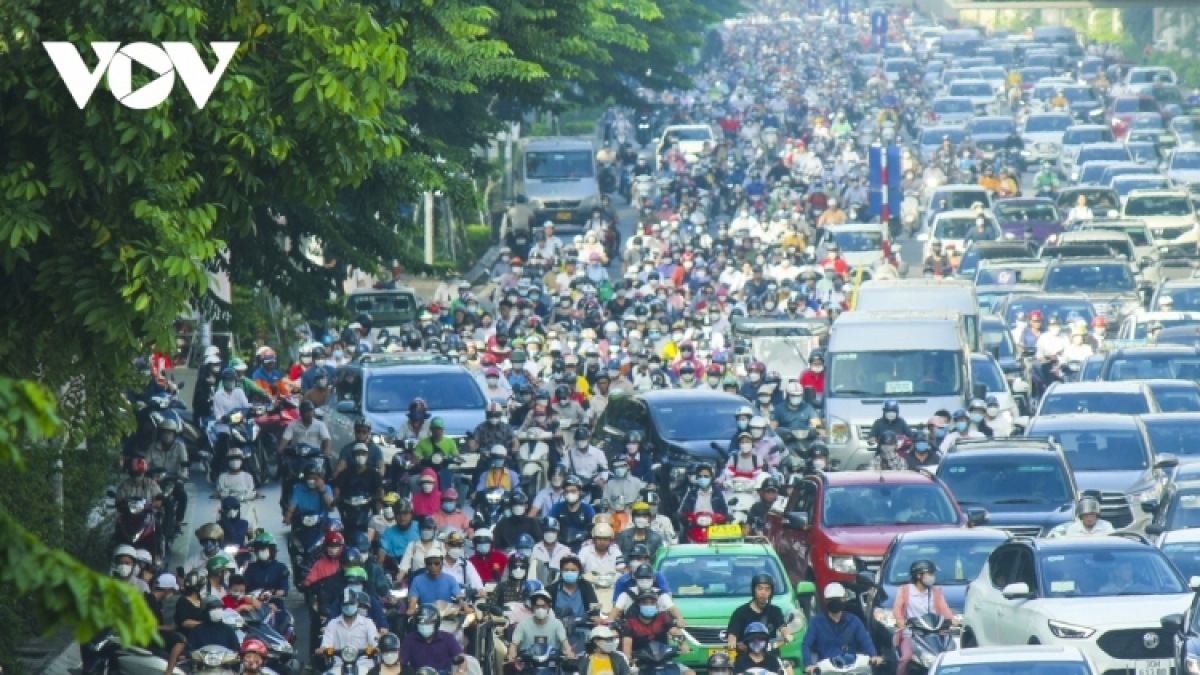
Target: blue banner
[(875, 181), (895, 194), (879, 22)]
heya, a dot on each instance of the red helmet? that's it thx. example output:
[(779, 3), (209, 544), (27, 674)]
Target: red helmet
[(1035, 315), (487, 360), (756, 367), (335, 539), (687, 344), (492, 371), (1099, 322), (713, 369), (255, 646)]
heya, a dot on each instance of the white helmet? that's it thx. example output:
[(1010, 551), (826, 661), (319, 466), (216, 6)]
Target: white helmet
[(482, 533), (602, 530), (143, 557), (124, 550), (744, 411), (758, 422), (212, 350), (794, 389), (212, 360)]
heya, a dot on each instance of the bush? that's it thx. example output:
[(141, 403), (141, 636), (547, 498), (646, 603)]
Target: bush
[(479, 239)]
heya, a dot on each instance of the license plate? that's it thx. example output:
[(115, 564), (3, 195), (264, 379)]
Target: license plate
[(1154, 667), (563, 215), (733, 653), (989, 155), (726, 531)]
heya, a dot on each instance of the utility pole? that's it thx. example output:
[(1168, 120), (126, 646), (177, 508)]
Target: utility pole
[(429, 228)]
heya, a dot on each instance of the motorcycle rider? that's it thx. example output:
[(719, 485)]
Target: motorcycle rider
[(886, 458), (621, 487), (835, 632), (834, 215), (124, 567), (167, 453), (916, 599), (351, 629), (999, 421), (362, 479), (329, 564), (418, 552), (312, 495), (450, 516), (1077, 350), (704, 496), (516, 522), (1050, 347), (759, 610), (213, 631), (603, 656), (211, 538), (488, 560), (923, 455), (796, 415), (549, 552), (362, 435), (1088, 522), (253, 656), (963, 428), (137, 485), (429, 646), (756, 655), (539, 628), (890, 421), (601, 555), (434, 584), (307, 430), (550, 495), (516, 224), (1009, 185), (235, 527), (640, 533), (1045, 180), (649, 624), (234, 481), (493, 431), (173, 642), (459, 566), (225, 400), (264, 571)]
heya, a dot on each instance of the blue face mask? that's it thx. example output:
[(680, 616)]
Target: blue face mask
[(704, 482), (570, 577), (922, 446), (357, 588), (940, 432), (976, 418), (527, 552), (349, 609), (648, 611), (448, 507), (960, 426)]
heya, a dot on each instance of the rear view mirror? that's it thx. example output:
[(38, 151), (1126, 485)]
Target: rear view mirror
[(1155, 530), (1150, 506), (1017, 591), (1166, 461), (346, 407), (796, 521), (1173, 623), (977, 516)]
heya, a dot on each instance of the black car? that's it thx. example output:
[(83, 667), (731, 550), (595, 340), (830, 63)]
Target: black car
[(1186, 628), (1024, 483), (992, 250), (1175, 396), (1143, 362)]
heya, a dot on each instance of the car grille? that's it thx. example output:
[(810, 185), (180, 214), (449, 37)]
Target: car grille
[(1130, 643), (1031, 531), (864, 431), (707, 635), (1114, 507), (1046, 147), (562, 205), (988, 147), (868, 563)]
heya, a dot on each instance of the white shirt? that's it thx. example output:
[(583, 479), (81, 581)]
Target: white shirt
[(1002, 424), (1049, 344), (464, 572), (360, 634), (625, 601), (550, 557), (1076, 529), (314, 434), (593, 561), (587, 464), (414, 556), (1077, 352), (225, 402), (952, 437), (235, 482)]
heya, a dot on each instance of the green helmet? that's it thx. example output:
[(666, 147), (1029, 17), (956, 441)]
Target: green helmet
[(355, 573), (217, 563), (437, 423), (729, 381), (237, 364), (263, 539)]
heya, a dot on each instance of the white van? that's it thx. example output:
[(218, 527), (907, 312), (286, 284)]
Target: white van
[(923, 363), (691, 139), (925, 294), (558, 175)]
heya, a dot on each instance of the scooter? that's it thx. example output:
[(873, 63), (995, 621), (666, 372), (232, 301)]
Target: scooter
[(214, 660), (355, 510), (105, 655), (657, 659), (931, 636), (603, 583), (282, 658), (541, 659), (845, 664), (349, 661), (696, 526), (534, 456), (137, 525), (292, 469), (307, 533), (910, 211), (740, 497)]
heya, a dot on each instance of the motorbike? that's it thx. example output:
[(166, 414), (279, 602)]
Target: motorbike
[(740, 497), (643, 134), (349, 661), (271, 426), (355, 510), (845, 664), (105, 655), (534, 457), (137, 525), (657, 659), (910, 211), (603, 582), (168, 483), (403, 469), (242, 432), (282, 658), (932, 636), (696, 525), (292, 468), (643, 188), (541, 659), (214, 660), (308, 529)]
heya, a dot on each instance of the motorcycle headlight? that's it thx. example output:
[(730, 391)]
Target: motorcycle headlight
[(839, 431), (885, 618), (349, 655), (842, 564), (212, 659), (1069, 631)]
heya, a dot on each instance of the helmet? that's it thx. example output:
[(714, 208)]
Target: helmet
[(720, 661), (229, 374), (550, 524), (524, 541), (1035, 315), (891, 405), (762, 578), (210, 531), (755, 628), (355, 573), (124, 551), (643, 571), (389, 642), (255, 646), (744, 411), (428, 614), (887, 438), (921, 567), (217, 563), (602, 530), (335, 539), (482, 534), (263, 540), (818, 449), (1087, 505), (769, 484), (193, 581)]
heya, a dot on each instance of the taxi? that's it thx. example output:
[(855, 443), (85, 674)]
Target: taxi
[(709, 581)]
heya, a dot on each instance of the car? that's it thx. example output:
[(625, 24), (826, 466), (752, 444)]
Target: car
[(1112, 454), (1111, 171), (1024, 483), (1031, 75), (1120, 245), (679, 426), (1127, 184), (1184, 294), (1175, 434), (1187, 132), (861, 244), (991, 296), (952, 110), (1100, 199), (389, 308), (692, 139), (1182, 548), (957, 197), (1133, 328), (986, 250), (959, 555), (1090, 172), (1183, 167), (1032, 217), (558, 175), (1146, 362), (380, 387), (993, 75), (1103, 595), (1042, 134), (838, 524), (990, 133), (952, 228), (1120, 113), (930, 138), (1177, 509), (1097, 398), (709, 581), (1062, 305), (1074, 138), (1168, 213), (1175, 396), (999, 343), (1109, 284), (1148, 75), (1113, 152), (1081, 98), (1144, 151), (1014, 660), (1188, 335)]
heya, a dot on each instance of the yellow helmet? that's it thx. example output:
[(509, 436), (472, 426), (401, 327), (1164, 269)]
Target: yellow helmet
[(391, 498), (640, 506), (605, 518)]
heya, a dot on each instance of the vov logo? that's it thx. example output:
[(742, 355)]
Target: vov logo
[(117, 61)]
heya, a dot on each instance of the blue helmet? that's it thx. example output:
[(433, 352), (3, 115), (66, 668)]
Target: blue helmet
[(549, 525), (755, 628), (524, 541), (891, 405), (230, 503)]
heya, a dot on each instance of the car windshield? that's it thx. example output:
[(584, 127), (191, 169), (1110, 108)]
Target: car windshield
[(1124, 187), (1179, 396), (992, 481), (1095, 402), (874, 504), (1185, 160), (946, 106), (997, 340), (1174, 436), (1147, 76), (961, 199), (1184, 510), (441, 390), (990, 126), (1138, 233), (951, 227), (1099, 450), (1099, 277), (958, 561), (1008, 276), (1081, 136), (933, 137), (1022, 212), (1037, 124), (1010, 667), (1091, 154), (1077, 94), (1167, 205), (689, 135), (1146, 367), (986, 372), (971, 89), (1056, 307), (565, 165), (1143, 152), (1139, 330), (1091, 172), (1097, 198), (719, 576), (695, 420), (1135, 105), (898, 373), (859, 240), (1071, 573)]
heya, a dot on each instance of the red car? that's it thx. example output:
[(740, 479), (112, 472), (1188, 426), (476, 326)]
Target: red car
[(1119, 116), (839, 524)]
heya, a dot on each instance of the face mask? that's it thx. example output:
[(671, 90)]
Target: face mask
[(703, 482), (890, 416), (976, 418), (494, 421), (621, 472), (388, 513), (339, 355), (392, 658), (607, 646), (216, 615), (448, 507), (264, 555), (211, 547), (541, 613), (743, 423), (556, 481), (518, 510), (124, 571), (227, 385), (231, 513), (484, 547), (354, 587), (928, 579), (1055, 330), (758, 646), (746, 448), (648, 611), (755, 377), (427, 487), (425, 629), (582, 444), (571, 497), (456, 553), (835, 605), (493, 382), (311, 483), (644, 583), (235, 464), (818, 464), (940, 432), (360, 460), (960, 426), (519, 572), (427, 535), (818, 369)]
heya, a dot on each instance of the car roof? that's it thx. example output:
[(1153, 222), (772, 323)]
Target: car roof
[(1087, 127), (839, 478), (1091, 261), (1171, 417), (1184, 536), (942, 534), (1113, 387), (1153, 350), (668, 395), (1091, 235), (1096, 421), (1159, 193), (1060, 543), (718, 548), (983, 655), (1103, 145)]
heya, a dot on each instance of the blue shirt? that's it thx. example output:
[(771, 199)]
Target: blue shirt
[(270, 377), (271, 575), (427, 589), (307, 499), (569, 604), (395, 540), (826, 639), (627, 582)]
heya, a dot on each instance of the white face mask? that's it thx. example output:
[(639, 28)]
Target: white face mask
[(549, 537), (992, 412), (456, 553), (235, 464), (818, 464), (641, 522), (264, 555), (391, 658), (541, 613), (795, 401), (215, 615), (746, 448), (518, 510), (124, 571), (388, 513), (890, 416), (231, 513), (620, 472), (571, 497), (1055, 330), (818, 369), (519, 572), (427, 488), (360, 460)]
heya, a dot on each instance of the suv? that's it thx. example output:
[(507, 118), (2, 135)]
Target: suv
[(709, 581), (838, 524), (1108, 284), (1144, 362), (1024, 483), (1092, 398), (1104, 595), (380, 387)]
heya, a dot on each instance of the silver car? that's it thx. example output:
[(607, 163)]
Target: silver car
[(952, 110), (1076, 137), (1043, 135)]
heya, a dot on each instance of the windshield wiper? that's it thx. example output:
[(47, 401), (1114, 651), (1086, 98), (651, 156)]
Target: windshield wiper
[(1019, 500), (854, 392)]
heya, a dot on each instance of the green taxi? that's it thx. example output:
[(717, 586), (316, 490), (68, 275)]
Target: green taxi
[(709, 581)]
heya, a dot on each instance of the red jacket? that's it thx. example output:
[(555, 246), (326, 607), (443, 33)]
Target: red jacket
[(814, 380), (323, 568), (490, 566)]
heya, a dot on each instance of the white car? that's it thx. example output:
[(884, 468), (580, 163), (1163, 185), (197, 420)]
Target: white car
[(1104, 595), (691, 138), (1042, 134), (861, 244), (1024, 659), (1183, 168), (979, 91), (1168, 213), (951, 228)]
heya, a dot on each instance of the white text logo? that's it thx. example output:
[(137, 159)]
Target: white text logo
[(117, 61)]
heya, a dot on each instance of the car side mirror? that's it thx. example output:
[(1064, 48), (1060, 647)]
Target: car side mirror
[(346, 407), (979, 390), (1194, 583), (1150, 506), (797, 520), (1166, 461), (1017, 591), (866, 579), (1154, 530), (1173, 623), (977, 516)]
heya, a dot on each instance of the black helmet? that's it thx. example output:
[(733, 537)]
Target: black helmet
[(818, 449), (921, 567), (887, 438), (644, 571), (389, 642), (516, 497), (428, 614), (582, 433), (639, 551), (760, 579), (891, 405), (362, 423), (573, 480), (769, 484), (720, 661), (792, 463)]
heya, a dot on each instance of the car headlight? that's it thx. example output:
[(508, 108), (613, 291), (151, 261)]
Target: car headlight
[(885, 618), (1069, 631), (536, 204), (1151, 493), (839, 431), (842, 564)]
